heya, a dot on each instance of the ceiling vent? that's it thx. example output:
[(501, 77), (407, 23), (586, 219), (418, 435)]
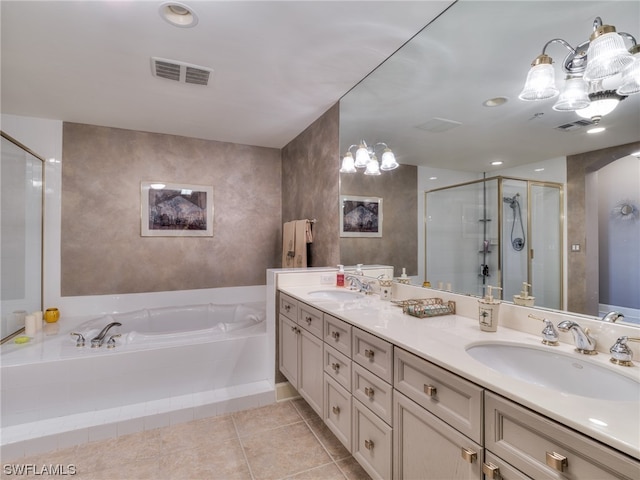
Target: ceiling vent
[(180, 71), (570, 127), (438, 125)]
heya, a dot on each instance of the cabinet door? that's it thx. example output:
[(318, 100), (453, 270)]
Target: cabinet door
[(310, 370), (372, 442), (288, 338), (426, 447), (337, 410)]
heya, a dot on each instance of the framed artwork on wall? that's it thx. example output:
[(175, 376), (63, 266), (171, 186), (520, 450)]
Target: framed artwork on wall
[(176, 210), (360, 216)]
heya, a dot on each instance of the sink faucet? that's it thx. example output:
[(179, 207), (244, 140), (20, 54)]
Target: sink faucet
[(612, 317), (549, 333), (621, 354), (584, 343), (99, 340), (359, 284)]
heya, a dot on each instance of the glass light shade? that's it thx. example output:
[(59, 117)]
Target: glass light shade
[(599, 108), (373, 168), (540, 84), (606, 56), (574, 96), (362, 156), (388, 160), (348, 164), (631, 77)]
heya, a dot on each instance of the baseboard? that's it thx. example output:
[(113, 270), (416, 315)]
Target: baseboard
[(284, 391)]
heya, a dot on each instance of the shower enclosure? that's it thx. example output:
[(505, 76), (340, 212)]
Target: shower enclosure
[(497, 231)]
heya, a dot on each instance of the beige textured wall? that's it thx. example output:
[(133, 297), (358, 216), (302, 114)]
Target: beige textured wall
[(581, 296), (102, 249), (310, 184)]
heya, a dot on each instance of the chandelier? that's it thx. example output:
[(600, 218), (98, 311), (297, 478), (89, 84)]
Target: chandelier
[(365, 157), (599, 74)]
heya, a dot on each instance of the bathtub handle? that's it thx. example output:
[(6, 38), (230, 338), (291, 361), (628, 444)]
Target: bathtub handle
[(79, 339), (111, 343)]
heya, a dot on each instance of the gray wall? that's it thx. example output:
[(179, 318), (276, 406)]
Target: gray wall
[(102, 249)]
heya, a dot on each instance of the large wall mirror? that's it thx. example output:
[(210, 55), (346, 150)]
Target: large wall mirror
[(21, 205), (447, 103)]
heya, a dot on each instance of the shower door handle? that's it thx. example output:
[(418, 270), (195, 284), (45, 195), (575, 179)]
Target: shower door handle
[(531, 254)]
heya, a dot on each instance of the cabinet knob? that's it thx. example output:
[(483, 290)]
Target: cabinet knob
[(287, 308), (335, 366), (430, 390), (556, 461), (308, 319), (335, 335), (368, 444), (369, 392), (369, 353), (491, 471), (336, 410), (469, 455)]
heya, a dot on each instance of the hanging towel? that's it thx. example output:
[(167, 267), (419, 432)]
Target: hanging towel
[(301, 244), (288, 244)]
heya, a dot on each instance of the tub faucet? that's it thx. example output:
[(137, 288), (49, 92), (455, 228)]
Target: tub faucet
[(359, 284), (99, 340), (584, 343)]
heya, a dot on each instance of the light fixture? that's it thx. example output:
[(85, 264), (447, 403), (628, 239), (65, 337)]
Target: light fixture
[(365, 157), (601, 57), (178, 14)]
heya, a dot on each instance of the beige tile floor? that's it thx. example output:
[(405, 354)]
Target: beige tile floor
[(285, 440)]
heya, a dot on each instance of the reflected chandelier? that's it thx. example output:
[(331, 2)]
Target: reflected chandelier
[(365, 157), (601, 59)]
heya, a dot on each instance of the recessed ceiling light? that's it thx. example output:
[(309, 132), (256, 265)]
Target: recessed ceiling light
[(596, 130), (433, 178), (496, 163), (178, 14), (495, 102), (538, 169)]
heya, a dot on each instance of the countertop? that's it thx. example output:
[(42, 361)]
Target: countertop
[(443, 340)]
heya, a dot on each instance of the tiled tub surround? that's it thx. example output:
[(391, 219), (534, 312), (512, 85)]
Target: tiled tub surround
[(442, 341), (55, 395)]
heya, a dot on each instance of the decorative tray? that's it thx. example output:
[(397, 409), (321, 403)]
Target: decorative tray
[(426, 307)]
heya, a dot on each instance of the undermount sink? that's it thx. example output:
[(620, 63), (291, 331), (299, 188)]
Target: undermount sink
[(557, 371), (337, 295)]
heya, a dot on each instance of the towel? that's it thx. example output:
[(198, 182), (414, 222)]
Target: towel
[(301, 244), (288, 244), (296, 236)]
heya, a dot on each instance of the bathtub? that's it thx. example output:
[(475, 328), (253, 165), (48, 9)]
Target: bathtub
[(169, 365)]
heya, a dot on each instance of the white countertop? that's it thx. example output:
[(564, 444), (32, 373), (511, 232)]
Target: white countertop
[(443, 341)]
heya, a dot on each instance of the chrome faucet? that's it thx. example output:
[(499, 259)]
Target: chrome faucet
[(612, 317), (356, 283), (99, 340), (584, 343), (549, 333), (621, 354)]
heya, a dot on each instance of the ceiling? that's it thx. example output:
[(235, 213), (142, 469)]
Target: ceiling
[(277, 66)]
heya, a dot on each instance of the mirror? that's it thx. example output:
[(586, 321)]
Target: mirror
[(447, 103), (21, 202)]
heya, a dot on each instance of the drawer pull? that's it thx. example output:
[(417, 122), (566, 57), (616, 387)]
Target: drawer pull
[(295, 329), (287, 308), (308, 319), (368, 444), (369, 392), (369, 353), (336, 410), (430, 390), (469, 455), (335, 366), (335, 335), (491, 471), (556, 461)]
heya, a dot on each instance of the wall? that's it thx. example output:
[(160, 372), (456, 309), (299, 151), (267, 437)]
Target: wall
[(102, 251), (310, 185)]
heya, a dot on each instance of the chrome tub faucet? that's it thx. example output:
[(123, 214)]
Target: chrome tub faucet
[(99, 340)]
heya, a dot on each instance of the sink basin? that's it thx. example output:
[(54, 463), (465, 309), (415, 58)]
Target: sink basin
[(557, 371), (337, 295)]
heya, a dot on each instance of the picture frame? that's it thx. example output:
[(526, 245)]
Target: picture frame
[(360, 216), (176, 210)]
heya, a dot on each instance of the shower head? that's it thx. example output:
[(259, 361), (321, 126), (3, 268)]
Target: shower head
[(512, 201)]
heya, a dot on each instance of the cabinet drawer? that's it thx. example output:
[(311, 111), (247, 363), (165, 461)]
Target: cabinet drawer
[(337, 366), (288, 307), (310, 318), (372, 442), (337, 334), (542, 448), (374, 354), (372, 392), (337, 410), (494, 468), (451, 398)]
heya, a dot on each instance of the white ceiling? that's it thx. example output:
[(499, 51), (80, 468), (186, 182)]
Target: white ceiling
[(279, 65)]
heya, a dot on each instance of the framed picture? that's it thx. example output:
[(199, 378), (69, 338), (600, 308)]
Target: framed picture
[(176, 210), (360, 216)]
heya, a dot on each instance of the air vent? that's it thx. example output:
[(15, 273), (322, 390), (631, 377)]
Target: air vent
[(569, 127), (438, 125), (180, 71)]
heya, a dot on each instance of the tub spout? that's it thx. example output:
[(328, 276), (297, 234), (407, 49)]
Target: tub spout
[(99, 340)]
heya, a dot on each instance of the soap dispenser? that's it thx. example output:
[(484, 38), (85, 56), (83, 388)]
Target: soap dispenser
[(524, 298), (359, 269), (488, 310), (340, 276)]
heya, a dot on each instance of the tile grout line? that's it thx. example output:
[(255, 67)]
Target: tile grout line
[(244, 454)]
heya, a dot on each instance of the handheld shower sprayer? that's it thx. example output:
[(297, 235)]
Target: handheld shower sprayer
[(518, 242)]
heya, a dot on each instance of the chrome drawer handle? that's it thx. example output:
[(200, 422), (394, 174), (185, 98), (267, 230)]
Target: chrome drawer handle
[(335, 335), (295, 329), (556, 461), (336, 410), (368, 444), (369, 353), (369, 392), (491, 471), (430, 390), (335, 366), (469, 455), (308, 319)]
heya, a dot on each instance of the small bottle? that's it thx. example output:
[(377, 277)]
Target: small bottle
[(340, 276)]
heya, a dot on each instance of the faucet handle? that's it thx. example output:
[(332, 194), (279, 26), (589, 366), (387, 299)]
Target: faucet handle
[(111, 343), (621, 354), (549, 334), (79, 339)]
